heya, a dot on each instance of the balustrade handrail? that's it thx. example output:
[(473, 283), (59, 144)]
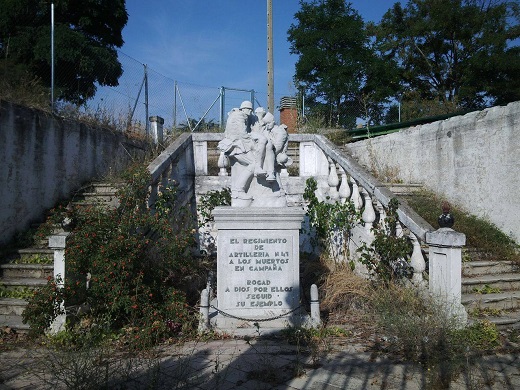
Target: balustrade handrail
[(171, 153), (375, 188)]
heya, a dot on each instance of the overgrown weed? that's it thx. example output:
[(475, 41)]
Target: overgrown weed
[(416, 328), (344, 292)]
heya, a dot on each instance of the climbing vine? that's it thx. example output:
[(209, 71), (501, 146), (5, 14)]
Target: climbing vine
[(328, 220), (387, 258), (209, 201)]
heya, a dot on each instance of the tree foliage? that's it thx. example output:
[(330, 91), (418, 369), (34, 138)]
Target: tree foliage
[(434, 56), (87, 34), (337, 66), (457, 52)]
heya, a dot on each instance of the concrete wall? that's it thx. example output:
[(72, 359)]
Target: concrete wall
[(45, 159), (472, 160)]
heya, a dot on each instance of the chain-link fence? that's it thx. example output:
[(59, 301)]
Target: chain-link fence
[(142, 92)]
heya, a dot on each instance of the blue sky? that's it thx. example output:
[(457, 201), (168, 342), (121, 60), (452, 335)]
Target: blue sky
[(219, 42)]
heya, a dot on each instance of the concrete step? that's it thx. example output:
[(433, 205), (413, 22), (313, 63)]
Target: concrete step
[(103, 187), (510, 320), (95, 203), (35, 255), (486, 267), (17, 271), (498, 301), (12, 306), (13, 322), (502, 282), (404, 189), (21, 283), (100, 197)]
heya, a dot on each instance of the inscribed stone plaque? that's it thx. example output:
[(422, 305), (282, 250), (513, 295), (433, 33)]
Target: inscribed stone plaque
[(258, 272)]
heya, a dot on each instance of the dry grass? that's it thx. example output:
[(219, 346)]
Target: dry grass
[(344, 290), (344, 296), (20, 87)]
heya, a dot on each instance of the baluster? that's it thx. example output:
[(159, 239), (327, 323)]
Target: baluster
[(177, 172), (223, 164), (382, 216), (398, 229), (417, 261), (152, 198), (369, 215), (333, 181), (355, 197), (173, 172), (344, 188), (164, 179)]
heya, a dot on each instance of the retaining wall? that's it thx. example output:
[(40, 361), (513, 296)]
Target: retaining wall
[(472, 160), (44, 159)]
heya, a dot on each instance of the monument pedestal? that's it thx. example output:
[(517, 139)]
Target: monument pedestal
[(258, 277)]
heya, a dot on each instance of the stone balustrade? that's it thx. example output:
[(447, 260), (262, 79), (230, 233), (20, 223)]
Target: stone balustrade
[(176, 164)]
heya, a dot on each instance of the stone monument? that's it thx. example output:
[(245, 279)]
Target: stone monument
[(257, 151), (258, 286)]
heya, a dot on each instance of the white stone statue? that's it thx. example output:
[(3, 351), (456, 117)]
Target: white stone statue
[(257, 150)]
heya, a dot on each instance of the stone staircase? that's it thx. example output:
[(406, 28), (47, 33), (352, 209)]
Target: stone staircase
[(24, 269), (103, 193), (18, 277), (491, 289)]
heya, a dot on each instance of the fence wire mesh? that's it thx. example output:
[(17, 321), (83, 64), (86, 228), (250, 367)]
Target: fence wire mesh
[(143, 92)]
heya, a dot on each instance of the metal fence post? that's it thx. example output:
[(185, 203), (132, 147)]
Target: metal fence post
[(146, 98), (222, 106), (175, 105)]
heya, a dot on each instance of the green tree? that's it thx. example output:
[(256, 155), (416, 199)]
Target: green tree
[(337, 65), (459, 53), (87, 34)]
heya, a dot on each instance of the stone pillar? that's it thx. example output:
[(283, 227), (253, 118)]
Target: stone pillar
[(315, 320), (313, 162), (200, 158), (156, 128), (445, 270), (204, 311), (58, 243)]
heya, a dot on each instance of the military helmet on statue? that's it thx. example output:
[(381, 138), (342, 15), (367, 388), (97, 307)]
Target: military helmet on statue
[(246, 104)]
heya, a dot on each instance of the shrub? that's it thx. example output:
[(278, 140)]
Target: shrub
[(387, 256), (328, 220), (419, 329), (44, 306), (211, 200), (129, 266)]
